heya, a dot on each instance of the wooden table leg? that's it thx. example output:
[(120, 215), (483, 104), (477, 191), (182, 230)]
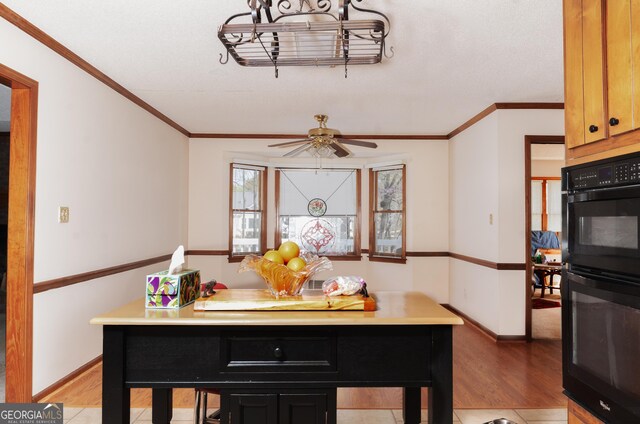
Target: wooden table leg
[(161, 406), (411, 405), (441, 390), (116, 398)]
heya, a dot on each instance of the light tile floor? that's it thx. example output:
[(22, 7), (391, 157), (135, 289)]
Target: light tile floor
[(352, 416)]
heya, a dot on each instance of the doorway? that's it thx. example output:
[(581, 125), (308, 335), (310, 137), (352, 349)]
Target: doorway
[(544, 156), (20, 234), (5, 122)]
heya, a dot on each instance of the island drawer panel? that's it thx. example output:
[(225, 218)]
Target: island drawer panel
[(309, 350), (170, 353), (396, 353)]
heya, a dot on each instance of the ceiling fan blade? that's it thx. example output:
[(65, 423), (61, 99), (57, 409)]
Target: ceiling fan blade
[(290, 143), (360, 143), (340, 150), (298, 150)]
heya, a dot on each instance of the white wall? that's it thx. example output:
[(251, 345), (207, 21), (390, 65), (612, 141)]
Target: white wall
[(487, 177), (427, 218), (546, 168), (123, 174)]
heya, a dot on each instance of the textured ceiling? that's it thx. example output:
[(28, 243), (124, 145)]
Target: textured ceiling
[(452, 59)]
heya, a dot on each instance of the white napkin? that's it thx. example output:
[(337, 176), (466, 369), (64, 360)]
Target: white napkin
[(177, 259)]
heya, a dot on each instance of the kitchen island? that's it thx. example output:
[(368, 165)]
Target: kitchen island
[(280, 361)]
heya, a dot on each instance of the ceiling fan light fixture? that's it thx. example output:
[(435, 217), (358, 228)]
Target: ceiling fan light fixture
[(323, 142), (324, 151)]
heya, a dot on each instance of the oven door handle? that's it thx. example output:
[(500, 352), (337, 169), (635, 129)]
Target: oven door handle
[(578, 278), (629, 192)]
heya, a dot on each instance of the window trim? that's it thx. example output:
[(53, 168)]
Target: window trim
[(357, 237), (544, 216), (373, 201), (264, 173)]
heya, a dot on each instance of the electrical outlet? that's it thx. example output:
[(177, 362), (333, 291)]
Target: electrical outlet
[(63, 214), (490, 219)]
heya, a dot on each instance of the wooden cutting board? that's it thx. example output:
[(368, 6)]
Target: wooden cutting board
[(262, 300)]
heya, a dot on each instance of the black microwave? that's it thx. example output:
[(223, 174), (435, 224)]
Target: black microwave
[(601, 217)]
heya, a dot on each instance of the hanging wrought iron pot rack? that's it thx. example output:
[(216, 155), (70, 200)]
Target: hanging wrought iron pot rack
[(313, 35)]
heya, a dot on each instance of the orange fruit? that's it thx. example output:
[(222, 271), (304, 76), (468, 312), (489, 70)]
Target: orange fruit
[(289, 250), (274, 256), (296, 264)]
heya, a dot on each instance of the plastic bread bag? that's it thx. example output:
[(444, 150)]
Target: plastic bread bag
[(346, 286)]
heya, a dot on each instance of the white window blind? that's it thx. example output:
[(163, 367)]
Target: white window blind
[(336, 187)]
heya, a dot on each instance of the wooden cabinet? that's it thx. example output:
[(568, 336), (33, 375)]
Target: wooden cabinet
[(278, 406), (619, 67), (584, 72), (602, 75), (252, 409)]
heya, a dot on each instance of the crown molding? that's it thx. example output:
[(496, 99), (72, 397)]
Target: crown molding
[(476, 118), (496, 106), (260, 136)]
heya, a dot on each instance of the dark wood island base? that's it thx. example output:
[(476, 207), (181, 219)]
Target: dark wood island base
[(284, 370)]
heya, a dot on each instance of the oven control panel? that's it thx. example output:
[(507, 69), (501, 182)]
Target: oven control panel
[(623, 170)]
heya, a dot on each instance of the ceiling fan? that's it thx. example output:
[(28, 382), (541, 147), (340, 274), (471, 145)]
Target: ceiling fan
[(323, 142)]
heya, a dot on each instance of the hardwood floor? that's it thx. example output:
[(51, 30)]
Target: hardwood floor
[(486, 375)]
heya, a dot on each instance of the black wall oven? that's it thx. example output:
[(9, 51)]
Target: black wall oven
[(601, 287)]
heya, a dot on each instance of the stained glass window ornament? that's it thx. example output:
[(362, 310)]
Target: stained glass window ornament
[(317, 236), (317, 207)]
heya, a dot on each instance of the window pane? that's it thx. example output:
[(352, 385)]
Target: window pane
[(389, 190), (554, 197), (554, 222), (246, 232), (388, 231), (536, 197), (536, 222), (329, 235), (246, 189)]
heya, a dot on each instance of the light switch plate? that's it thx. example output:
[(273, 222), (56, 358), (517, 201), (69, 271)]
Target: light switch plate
[(63, 214)]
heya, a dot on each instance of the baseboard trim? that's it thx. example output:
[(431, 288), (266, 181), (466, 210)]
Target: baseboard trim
[(493, 336), (64, 380)]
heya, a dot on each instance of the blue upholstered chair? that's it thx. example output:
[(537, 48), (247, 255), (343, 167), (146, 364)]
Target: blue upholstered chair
[(542, 240)]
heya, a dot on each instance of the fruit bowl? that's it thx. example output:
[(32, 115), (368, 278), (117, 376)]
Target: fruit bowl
[(281, 280)]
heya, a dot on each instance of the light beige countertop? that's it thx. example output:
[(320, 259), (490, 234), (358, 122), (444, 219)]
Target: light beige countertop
[(393, 308)]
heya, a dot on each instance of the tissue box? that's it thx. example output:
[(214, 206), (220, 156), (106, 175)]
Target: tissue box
[(172, 291)]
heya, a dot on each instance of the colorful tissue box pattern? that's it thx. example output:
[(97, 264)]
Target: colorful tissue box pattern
[(172, 291)]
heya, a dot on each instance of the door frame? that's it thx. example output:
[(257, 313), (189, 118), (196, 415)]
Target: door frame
[(528, 141), (20, 234)]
